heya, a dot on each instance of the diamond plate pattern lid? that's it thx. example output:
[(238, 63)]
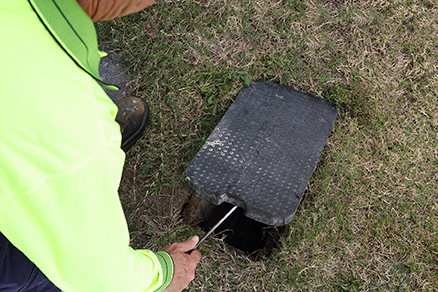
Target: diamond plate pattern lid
[(263, 152)]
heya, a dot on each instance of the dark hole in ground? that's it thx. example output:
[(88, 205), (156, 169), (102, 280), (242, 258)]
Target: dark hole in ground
[(247, 235)]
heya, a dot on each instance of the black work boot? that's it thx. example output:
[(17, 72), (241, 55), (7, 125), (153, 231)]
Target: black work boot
[(133, 116)]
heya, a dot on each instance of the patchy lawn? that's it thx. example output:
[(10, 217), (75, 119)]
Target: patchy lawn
[(369, 217)]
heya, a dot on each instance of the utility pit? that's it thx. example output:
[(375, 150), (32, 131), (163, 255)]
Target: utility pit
[(250, 237), (260, 157)]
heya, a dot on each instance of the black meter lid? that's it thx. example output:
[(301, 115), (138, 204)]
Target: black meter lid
[(262, 153)]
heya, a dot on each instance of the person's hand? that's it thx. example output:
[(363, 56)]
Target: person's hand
[(185, 264), (109, 9)]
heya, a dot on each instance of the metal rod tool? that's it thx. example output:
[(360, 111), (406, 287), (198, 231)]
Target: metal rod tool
[(212, 229)]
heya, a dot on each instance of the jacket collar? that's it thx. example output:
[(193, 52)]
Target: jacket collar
[(74, 31)]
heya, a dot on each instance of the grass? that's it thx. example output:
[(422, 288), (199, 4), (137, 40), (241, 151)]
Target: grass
[(368, 220)]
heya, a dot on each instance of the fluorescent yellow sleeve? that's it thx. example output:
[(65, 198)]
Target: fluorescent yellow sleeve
[(60, 167)]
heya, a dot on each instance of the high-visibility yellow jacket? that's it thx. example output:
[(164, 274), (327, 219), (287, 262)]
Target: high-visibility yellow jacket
[(60, 156)]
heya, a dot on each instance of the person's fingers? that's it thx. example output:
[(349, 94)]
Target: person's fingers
[(195, 256), (184, 263), (188, 244)]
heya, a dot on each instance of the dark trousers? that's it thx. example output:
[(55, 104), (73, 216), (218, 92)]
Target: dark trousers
[(18, 273)]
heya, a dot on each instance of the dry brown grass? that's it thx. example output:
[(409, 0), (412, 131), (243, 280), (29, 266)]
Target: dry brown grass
[(368, 221)]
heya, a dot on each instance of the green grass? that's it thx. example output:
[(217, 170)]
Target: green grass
[(368, 220)]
